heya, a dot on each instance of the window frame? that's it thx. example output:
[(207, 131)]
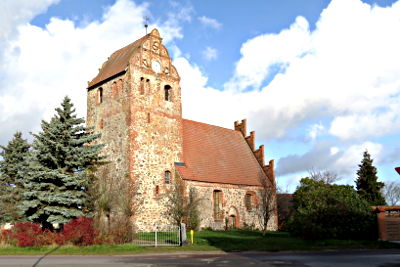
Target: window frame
[(167, 177), (167, 93), (218, 212)]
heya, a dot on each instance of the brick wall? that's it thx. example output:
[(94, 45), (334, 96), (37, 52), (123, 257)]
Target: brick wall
[(388, 222), (233, 204)]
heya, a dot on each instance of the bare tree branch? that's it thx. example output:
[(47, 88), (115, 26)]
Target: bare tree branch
[(391, 192), (182, 206), (267, 203), (328, 177)]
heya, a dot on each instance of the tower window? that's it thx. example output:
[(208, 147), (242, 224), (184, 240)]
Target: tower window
[(167, 177), (148, 118), (100, 95), (167, 92), (142, 86), (157, 191)]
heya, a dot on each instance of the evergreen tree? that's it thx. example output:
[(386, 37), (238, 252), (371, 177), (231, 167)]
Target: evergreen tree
[(63, 153), (12, 169), (367, 183)]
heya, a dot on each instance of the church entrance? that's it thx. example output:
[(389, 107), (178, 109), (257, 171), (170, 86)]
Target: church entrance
[(231, 222), (233, 218)]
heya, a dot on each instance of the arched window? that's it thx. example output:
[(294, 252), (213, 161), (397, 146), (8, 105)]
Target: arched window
[(114, 89), (141, 85), (167, 177), (157, 191), (100, 95), (218, 212), (167, 92), (247, 201)]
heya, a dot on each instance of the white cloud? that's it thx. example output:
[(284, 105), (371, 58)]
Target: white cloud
[(210, 22), (210, 53), (343, 161), (314, 130), (41, 66), (347, 163), (366, 124), (18, 12), (263, 52), (345, 72), (334, 150)]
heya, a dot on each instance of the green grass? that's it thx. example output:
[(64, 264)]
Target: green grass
[(242, 240), (233, 240)]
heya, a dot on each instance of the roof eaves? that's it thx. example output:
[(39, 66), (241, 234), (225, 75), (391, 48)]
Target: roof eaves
[(107, 79)]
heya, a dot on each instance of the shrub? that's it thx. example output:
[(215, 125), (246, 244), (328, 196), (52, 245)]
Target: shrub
[(8, 237), (121, 230), (48, 237), (27, 233), (80, 231), (330, 211)]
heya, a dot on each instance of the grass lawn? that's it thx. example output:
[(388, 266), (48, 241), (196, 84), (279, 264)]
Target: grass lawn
[(233, 240)]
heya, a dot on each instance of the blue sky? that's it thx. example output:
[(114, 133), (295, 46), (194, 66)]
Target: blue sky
[(318, 80)]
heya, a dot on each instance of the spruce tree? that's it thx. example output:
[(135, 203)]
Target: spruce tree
[(12, 172), (63, 153), (367, 183)]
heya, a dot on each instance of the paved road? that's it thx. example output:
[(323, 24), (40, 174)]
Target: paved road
[(327, 258)]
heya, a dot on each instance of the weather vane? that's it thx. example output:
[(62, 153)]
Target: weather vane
[(146, 22)]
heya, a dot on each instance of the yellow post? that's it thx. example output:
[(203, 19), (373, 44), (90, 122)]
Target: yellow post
[(191, 236)]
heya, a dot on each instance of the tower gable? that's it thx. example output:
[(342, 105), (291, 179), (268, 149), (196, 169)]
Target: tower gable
[(139, 54)]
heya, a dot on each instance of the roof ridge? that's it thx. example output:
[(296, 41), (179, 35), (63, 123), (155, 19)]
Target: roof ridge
[(198, 122), (116, 63), (134, 42)]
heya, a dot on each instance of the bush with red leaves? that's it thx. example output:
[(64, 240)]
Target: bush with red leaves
[(27, 233), (8, 237), (80, 231)]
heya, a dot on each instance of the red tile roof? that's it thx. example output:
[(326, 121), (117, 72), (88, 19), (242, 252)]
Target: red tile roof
[(116, 63), (217, 155)]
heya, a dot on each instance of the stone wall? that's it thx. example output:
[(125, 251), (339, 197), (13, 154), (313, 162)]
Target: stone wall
[(233, 203), (141, 128)]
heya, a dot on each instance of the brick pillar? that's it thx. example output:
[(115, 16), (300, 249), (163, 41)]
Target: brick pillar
[(382, 231)]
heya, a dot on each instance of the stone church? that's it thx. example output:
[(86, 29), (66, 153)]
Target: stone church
[(135, 103)]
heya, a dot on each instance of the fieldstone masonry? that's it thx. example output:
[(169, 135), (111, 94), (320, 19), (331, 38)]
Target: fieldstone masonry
[(135, 103)]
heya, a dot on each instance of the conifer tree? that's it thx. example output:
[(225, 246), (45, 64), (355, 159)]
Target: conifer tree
[(12, 172), (367, 183), (63, 153)]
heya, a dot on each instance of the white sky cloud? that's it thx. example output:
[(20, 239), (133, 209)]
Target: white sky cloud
[(345, 73), (314, 130), (41, 66), (18, 12), (210, 22), (210, 53), (323, 156)]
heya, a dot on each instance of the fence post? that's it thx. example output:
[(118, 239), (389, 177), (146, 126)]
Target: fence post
[(155, 237), (180, 235)]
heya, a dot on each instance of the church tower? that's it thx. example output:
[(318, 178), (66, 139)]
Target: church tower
[(135, 103)]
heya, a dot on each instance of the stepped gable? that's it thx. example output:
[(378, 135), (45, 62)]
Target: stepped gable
[(117, 63), (218, 155)]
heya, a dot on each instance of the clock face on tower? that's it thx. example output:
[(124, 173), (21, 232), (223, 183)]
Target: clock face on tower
[(155, 65)]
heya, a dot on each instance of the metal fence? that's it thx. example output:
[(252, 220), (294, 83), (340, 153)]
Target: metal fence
[(160, 236)]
